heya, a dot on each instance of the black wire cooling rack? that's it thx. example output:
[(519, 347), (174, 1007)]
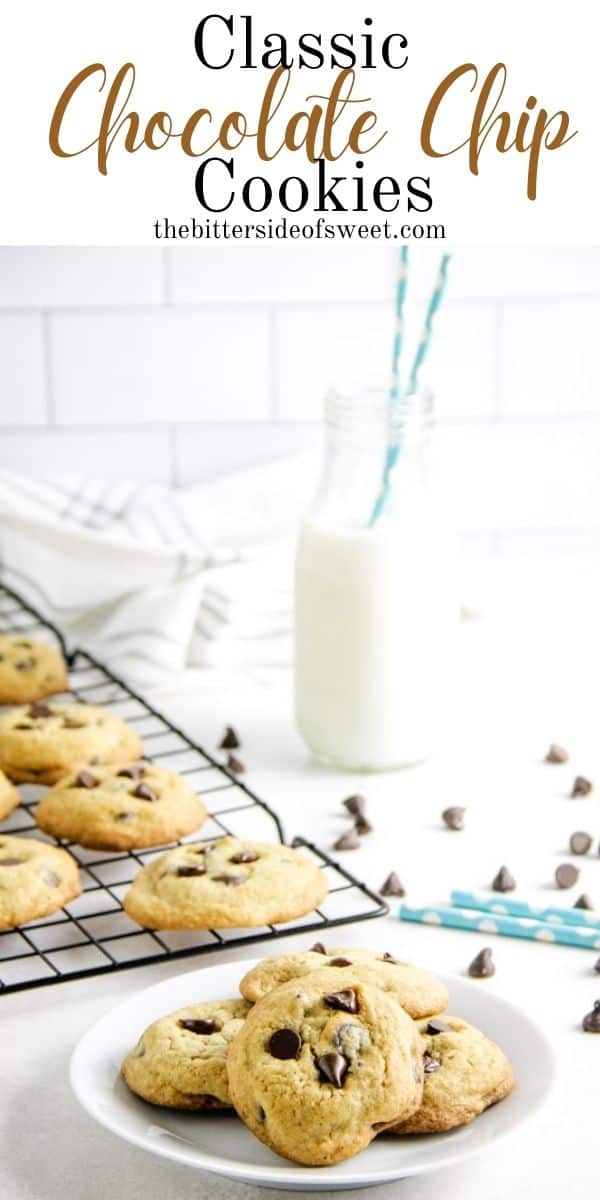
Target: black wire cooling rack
[(93, 935)]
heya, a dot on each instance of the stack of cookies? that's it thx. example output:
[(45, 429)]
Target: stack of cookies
[(325, 1051), (101, 795)]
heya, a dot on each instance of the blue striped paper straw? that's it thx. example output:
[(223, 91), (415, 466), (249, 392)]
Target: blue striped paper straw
[(517, 927), (392, 452), (520, 908)]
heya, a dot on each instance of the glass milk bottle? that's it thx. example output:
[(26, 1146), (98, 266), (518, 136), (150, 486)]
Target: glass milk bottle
[(376, 609)]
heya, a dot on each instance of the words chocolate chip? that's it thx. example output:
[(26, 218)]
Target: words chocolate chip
[(333, 1068), (482, 966), (144, 792), (284, 1044), (244, 856), (566, 875), (580, 842), (85, 779), (503, 881), (392, 886), (581, 786), (436, 1026), (230, 739), (340, 962), (197, 1025), (344, 1001), (454, 817), (189, 872), (556, 754), (591, 1022), (430, 1064)]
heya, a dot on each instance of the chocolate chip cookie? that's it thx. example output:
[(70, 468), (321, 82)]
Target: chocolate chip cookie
[(225, 884), (44, 742), (121, 808), (464, 1074), (420, 993), (35, 880), (179, 1061), (316, 1074), (29, 670), (9, 796)]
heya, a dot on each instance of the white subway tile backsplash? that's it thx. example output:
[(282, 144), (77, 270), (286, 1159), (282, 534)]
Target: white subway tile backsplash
[(164, 367), (48, 276), (549, 357), (121, 454), (350, 347), (23, 394), (204, 453)]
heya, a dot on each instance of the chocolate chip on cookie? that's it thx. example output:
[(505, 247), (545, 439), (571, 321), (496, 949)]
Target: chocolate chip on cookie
[(344, 1001), (198, 1025), (435, 1026), (504, 881), (85, 779), (591, 1021), (244, 856), (143, 791), (186, 872), (339, 961), (332, 1068), (40, 710), (482, 966), (285, 1044), (430, 1064), (136, 771)]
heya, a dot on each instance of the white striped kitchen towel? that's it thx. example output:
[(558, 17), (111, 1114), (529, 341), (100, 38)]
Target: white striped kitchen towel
[(154, 578)]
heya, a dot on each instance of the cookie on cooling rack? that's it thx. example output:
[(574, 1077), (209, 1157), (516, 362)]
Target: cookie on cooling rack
[(29, 670), (35, 880), (465, 1073), (316, 1074), (43, 742), (419, 993), (180, 1060), (9, 796), (121, 808), (225, 884)]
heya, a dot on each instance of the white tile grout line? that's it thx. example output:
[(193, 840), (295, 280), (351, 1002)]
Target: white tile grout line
[(242, 306), (47, 367)]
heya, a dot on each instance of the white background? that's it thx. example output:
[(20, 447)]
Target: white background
[(549, 52)]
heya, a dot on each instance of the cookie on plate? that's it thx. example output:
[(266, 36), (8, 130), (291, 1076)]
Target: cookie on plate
[(179, 1061), (9, 796), (44, 742), (465, 1073), (420, 993), (35, 880), (29, 670), (225, 884), (316, 1074), (121, 808)]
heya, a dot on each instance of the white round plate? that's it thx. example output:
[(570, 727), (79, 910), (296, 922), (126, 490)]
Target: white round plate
[(222, 1144)]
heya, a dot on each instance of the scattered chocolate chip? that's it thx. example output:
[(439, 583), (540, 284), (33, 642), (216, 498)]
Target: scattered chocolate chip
[(85, 779), (284, 1044), (355, 805), (10, 862), (344, 1001), (71, 723), (22, 726), (453, 817), (482, 966), (362, 826), (332, 1068), (230, 880), (244, 856), (198, 1025), (392, 886), (580, 843), (39, 710), (389, 957), (557, 754), (318, 948), (348, 841), (430, 1064), (436, 1026), (230, 739), (51, 878), (124, 816), (26, 664), (584, 901), (235, 764), (581, 786), (134, 772), (189, 872), (591, 1021), (503, 881), (144, 792), (566, 875), (340, 962), (597, 966)]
